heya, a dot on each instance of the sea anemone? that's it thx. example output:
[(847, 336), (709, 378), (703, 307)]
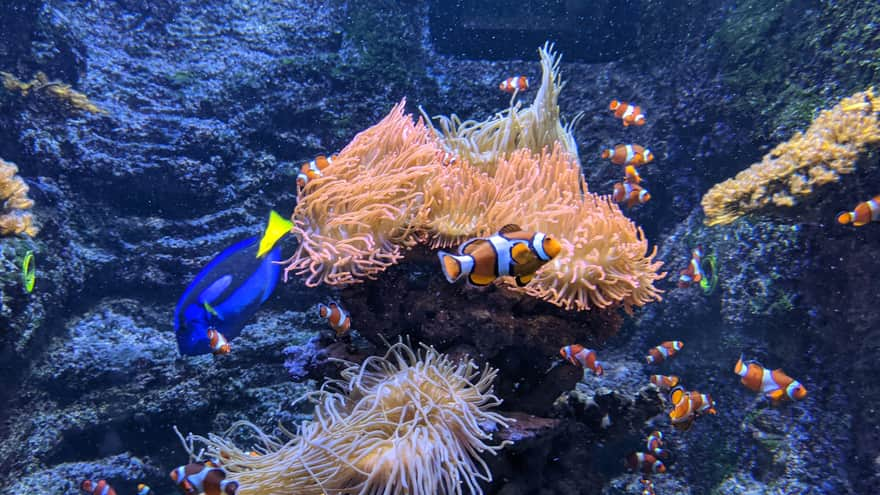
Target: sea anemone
[(412, 422)]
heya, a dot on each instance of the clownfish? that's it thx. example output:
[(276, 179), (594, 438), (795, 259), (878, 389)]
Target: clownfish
[(101, 487), (664, 382), (207, 478), (631, 194), (864, 213), (694, 273), (582, 357), (664, 351), (510, 252), (337, 317), (702, 403), (516, 83), (645, 463), (631, 175), (654, 444), (312, 170), (628, 154), (628, 113), (143, 489), (687, 406), (682, 414), (775, 385), (446, 158), (648, 487), (218, 343)]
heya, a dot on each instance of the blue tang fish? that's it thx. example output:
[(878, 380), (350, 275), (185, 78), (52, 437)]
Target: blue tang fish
[(229, 290)]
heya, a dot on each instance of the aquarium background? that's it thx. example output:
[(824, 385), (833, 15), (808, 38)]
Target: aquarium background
[(211, 108)]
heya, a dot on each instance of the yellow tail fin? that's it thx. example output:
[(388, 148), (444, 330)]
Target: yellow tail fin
[(276, 229)]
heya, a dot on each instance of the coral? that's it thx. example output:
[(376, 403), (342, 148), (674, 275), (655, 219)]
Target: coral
[(828, 149), (388, 190), (605, 257), (533, 128), (57, 90), (353, 222), (14, 219), (411, 422)]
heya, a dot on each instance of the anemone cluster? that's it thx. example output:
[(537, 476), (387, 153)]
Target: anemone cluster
[(411, 422)]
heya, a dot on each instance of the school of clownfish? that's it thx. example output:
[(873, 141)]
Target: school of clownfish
[(207, 477), (686, 407)]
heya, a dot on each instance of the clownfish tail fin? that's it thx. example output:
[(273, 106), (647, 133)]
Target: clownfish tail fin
[(845, 217), (452, 266)]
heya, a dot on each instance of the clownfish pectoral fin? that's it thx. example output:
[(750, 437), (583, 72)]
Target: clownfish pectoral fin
[(520, 252), (277, 227), (776, 395), (511, 227), (522, 280), (480, 280)]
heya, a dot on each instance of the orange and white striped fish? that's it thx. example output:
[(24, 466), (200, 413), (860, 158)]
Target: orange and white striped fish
[(664, 351), (511, 252), (515, 83), (702, 403), (863, 214), (775, 385), (101, 487), (219, 344), (654, 443), (338, 318), (647, 487), (207, 478), (645, 463), (688, 406), (664, 382), (582, 357), (312, 170), (631, 175), (628, 154), (628, 113), (630, 194)]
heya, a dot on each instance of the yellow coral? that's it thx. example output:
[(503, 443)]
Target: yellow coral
[(828, 149), (55, 89), (408, 423), (14, 219)]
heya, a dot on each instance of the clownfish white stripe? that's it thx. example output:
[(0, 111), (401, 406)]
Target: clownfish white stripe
[(538, 245), (502, 252)]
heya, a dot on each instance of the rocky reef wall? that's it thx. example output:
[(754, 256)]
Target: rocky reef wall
[(211, 108)]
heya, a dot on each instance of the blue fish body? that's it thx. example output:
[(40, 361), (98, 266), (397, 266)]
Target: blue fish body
[(227, 293)]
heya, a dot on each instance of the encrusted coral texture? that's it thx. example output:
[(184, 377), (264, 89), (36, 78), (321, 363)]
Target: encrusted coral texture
[(828, 149), (56, 90), (14, 218), (413, 422)]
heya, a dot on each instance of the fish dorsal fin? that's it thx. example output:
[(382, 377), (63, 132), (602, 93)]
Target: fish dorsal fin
[(511, 227), (471, 245), (520, 252), (277, 227), (676, 394)]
